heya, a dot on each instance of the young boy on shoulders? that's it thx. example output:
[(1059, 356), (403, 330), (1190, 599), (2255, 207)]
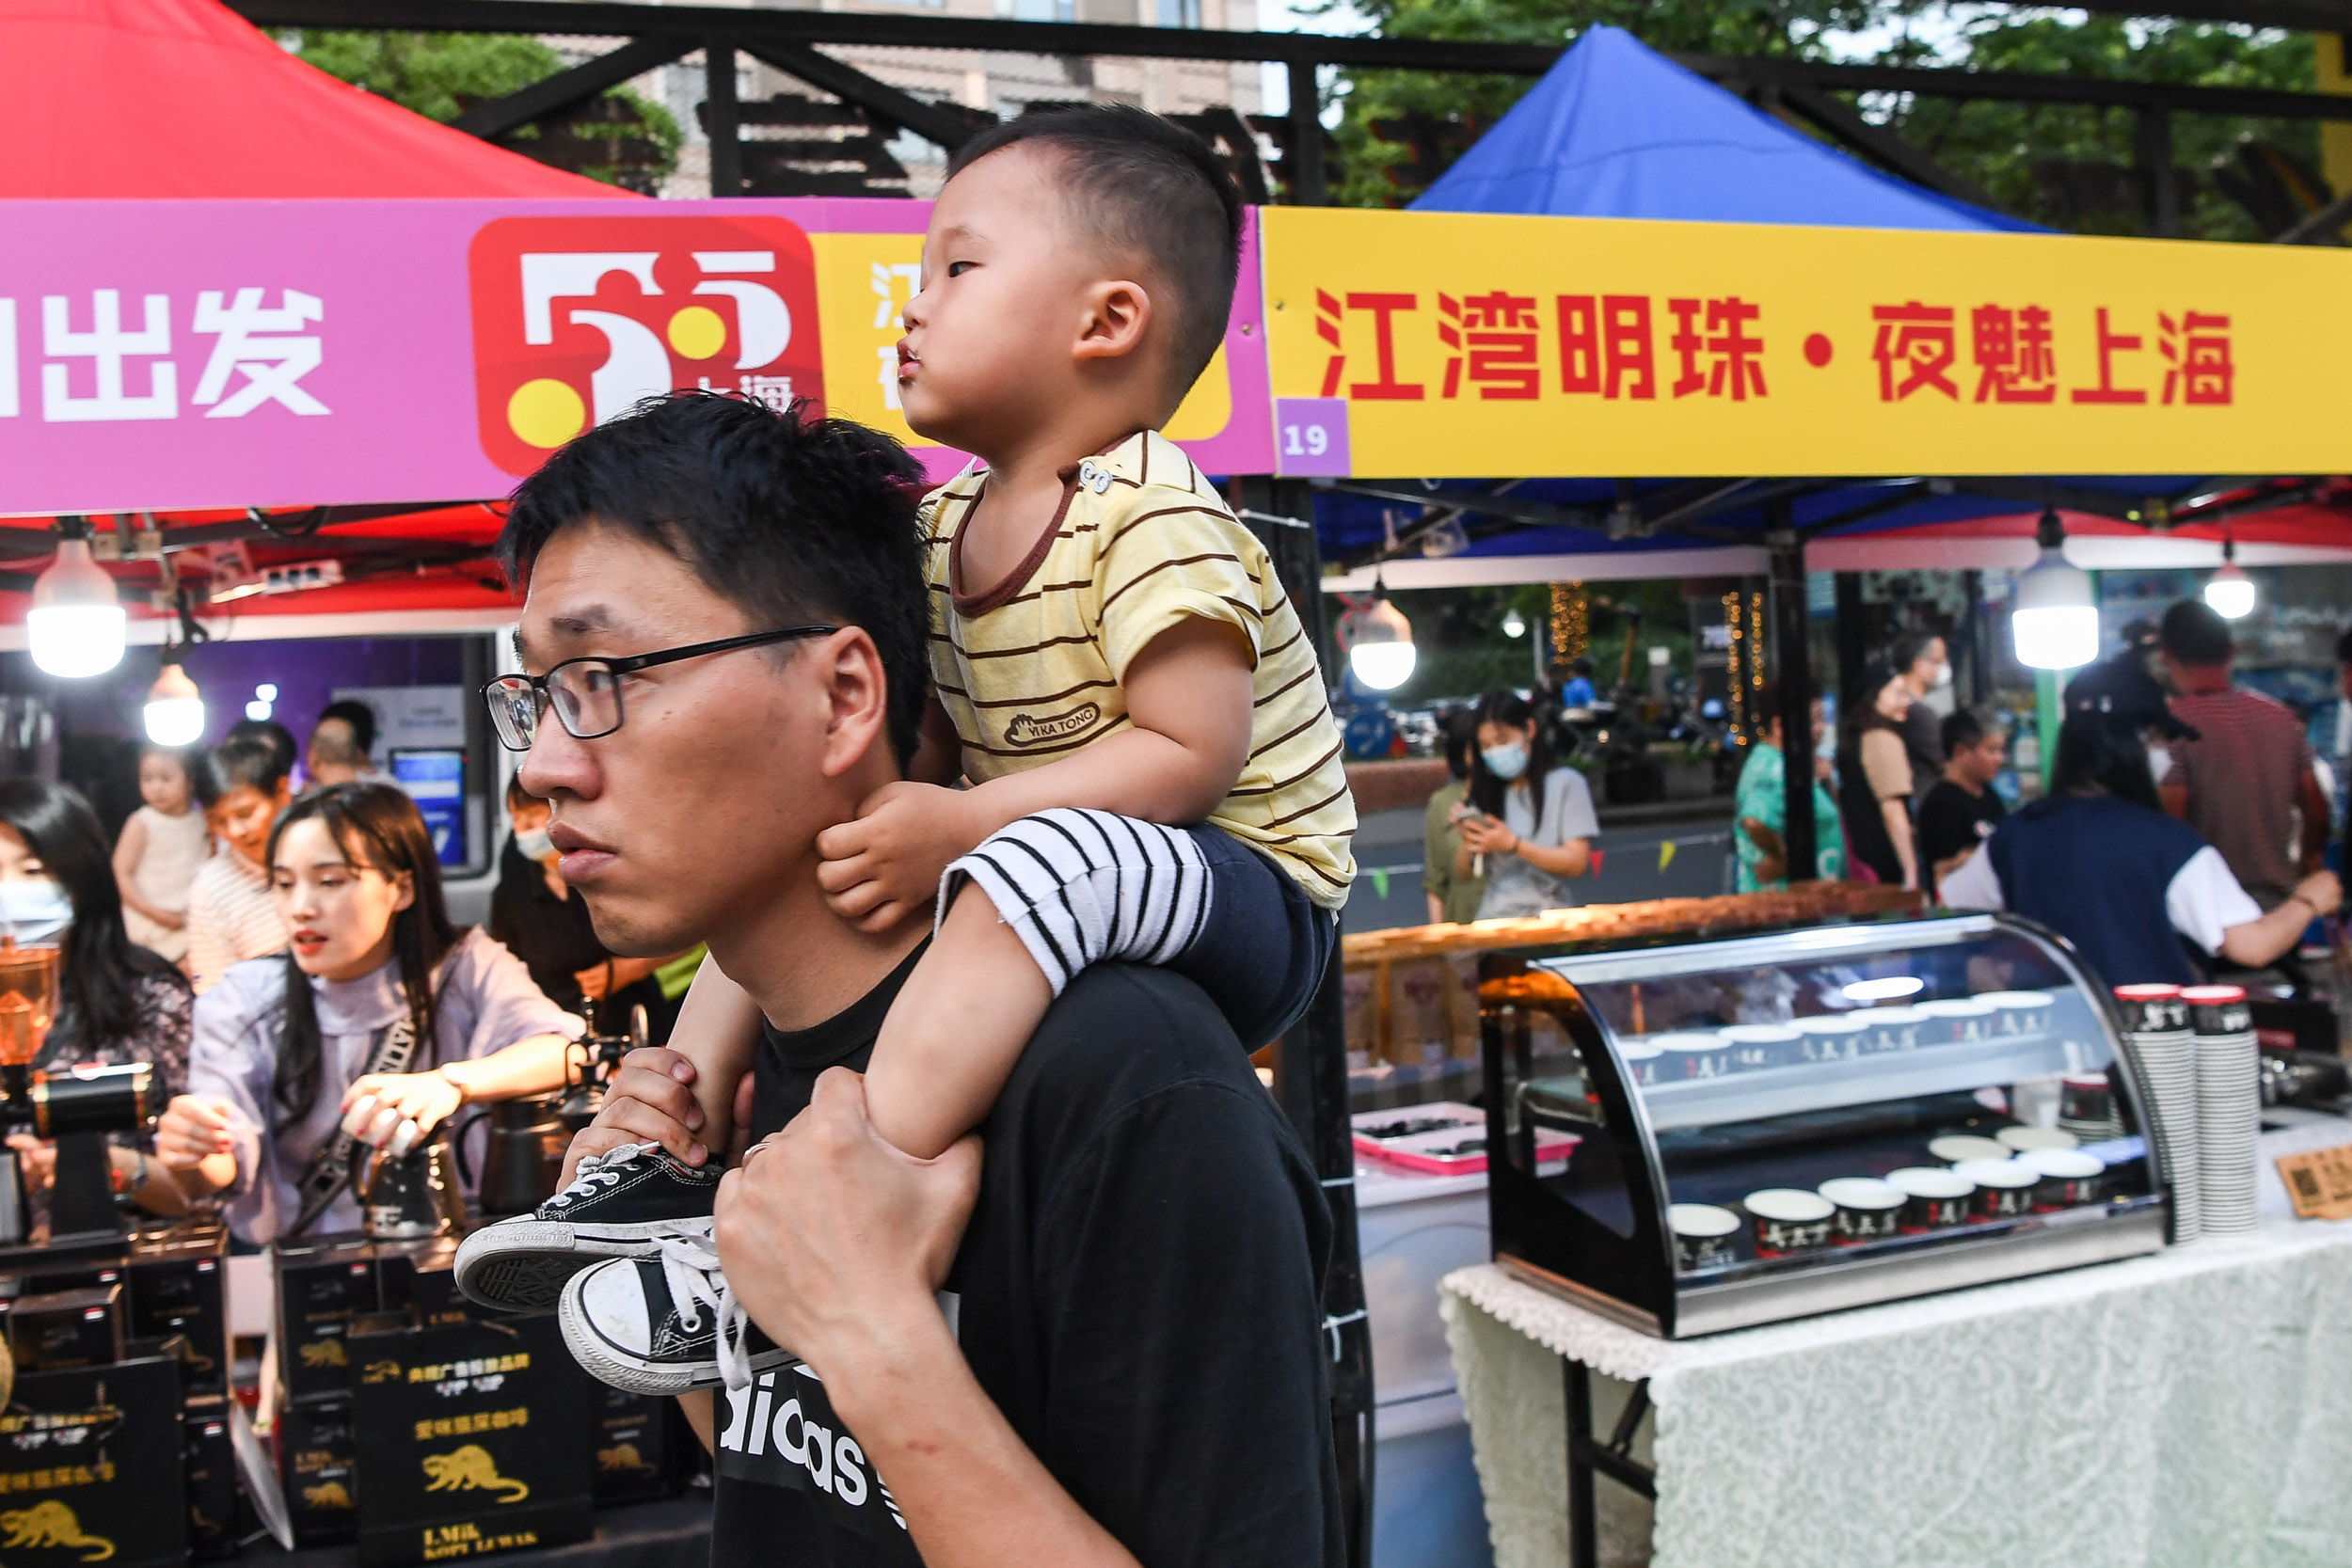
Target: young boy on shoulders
[(1154, 774)]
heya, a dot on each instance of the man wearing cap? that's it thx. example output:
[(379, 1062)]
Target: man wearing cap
[(2099, 862), (2246, 784)]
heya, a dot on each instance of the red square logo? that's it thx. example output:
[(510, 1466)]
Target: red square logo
[(576, 318)]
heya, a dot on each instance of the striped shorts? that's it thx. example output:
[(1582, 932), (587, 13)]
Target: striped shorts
[(1083, 887)]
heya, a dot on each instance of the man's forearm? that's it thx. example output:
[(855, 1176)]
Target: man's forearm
[(972, 1494)]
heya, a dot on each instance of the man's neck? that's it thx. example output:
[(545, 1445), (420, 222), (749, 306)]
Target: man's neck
[(802, 963), (1955, 776), (2203, 680)]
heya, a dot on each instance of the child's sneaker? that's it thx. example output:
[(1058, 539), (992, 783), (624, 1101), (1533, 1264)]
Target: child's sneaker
[(665, 1324), (621, 1204)]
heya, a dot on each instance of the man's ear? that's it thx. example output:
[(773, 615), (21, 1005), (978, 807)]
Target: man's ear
[(1116, 314), (849, 669)]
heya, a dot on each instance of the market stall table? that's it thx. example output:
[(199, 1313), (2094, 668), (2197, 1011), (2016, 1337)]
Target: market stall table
[(671, 1533), (2182, 1408)]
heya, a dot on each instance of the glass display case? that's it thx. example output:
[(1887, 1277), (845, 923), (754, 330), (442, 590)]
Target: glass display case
[(1704, 1135)]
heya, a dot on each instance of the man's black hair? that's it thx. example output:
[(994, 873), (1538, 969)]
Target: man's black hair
[(1909, 648), (1153, 190), (361, 718), (2194, 635), (788, 517), (1961, 730)]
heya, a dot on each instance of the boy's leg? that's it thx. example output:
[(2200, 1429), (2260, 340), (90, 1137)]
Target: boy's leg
[(718, 1031), (1051, 895)]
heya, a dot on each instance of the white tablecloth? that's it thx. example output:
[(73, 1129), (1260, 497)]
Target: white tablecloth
[(2190, 1409)]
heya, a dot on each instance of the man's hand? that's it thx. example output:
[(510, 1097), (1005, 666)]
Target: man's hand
[(887, 864), (2322, 891), (650, 1100), (832, 1237)]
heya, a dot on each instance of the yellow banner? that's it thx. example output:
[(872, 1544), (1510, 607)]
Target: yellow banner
[(1411, 344)]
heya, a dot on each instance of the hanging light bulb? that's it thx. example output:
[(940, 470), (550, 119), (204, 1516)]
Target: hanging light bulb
[(175, 710), (1514, 625), (2055, 622), (76, 626), (2230, 592), (1379, 642)]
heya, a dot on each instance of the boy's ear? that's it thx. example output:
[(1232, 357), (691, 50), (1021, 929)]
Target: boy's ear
[(1117, 316)]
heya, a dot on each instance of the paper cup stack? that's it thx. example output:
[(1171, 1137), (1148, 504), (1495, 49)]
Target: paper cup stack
[(2164, 1054), (2229, 1106)]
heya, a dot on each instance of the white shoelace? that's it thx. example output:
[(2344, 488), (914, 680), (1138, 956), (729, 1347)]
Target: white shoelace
[(601, 1170), (690, 1266)]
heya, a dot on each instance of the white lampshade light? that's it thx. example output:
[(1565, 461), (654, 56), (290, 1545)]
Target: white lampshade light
[(2230, 593), (76, 626), (1379, 642), (2056, 622), (175, 710), (1514, 624)]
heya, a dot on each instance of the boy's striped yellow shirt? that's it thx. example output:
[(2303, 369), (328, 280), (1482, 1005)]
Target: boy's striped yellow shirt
[(1030, 669)]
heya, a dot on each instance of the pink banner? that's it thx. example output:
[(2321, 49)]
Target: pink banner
[(182, 354)]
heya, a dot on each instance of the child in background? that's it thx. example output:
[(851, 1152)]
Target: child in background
[(162, 848), (231, 915), (1156, 773)]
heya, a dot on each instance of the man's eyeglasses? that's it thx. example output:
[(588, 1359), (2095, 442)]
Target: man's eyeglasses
[(585, 694)]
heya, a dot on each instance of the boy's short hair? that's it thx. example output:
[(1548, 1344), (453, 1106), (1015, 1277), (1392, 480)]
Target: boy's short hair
[(239, 762), (1961, 730), (1150, 188), (789, 517)]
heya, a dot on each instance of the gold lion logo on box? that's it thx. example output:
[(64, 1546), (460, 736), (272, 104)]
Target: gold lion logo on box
[(324, 1352), (622, 1457), (48, 1524), (471, 1469), (326, 1493)]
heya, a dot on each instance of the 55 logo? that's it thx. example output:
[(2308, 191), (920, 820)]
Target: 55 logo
[(576, 318)]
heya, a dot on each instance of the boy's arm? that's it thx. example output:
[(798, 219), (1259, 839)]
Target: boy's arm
[(1190, 699)]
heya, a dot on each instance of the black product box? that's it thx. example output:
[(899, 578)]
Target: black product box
[(209, 1469), (90, 1467), (636, 1446), (473, 1438), (421, 1279), (321, 1284), (67, 1328), (318, 1459), (178, 1284)]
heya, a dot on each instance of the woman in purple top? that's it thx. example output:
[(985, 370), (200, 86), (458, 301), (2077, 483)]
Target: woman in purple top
[(284, 1044)]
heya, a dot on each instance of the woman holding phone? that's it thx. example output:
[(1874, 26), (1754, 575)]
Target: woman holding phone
[(292, 1051), (1528, 824)]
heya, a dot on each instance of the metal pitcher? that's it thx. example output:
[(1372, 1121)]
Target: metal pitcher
[(405, 1196), (524, 1155)]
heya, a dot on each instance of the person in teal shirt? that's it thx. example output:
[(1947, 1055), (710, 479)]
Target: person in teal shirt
[(1760, 808)]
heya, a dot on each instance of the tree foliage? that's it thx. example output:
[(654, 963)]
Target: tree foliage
[(440, 74), (2067, 167)]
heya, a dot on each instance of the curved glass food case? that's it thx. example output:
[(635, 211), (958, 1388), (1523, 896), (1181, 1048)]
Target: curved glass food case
[(1702, 1136)]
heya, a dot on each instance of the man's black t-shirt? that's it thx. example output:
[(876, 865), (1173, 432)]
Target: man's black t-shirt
[(1138, 1291), (1951, 820)]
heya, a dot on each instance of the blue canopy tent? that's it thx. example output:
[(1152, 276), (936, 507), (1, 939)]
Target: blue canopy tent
[(1616, 129)]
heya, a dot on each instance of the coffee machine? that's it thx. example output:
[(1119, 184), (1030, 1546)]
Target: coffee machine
[(77, 1108)]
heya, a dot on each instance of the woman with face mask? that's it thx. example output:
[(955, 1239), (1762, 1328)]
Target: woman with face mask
[(116, 1002), (1527, 825), (292, 1051), (534, 914)]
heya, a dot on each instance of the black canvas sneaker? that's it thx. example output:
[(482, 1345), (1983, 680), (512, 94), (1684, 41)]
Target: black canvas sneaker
[(665, 1324), (621, 1204)]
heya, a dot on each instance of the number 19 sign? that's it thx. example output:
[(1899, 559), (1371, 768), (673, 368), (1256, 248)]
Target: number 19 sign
[(1311, 437)]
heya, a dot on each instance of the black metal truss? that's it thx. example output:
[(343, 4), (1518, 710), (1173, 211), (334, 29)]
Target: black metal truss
[(753, 30)]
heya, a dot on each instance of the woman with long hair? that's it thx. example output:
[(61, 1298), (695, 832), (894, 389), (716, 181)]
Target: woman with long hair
[(1528, 825), (289, 1050), (116, 1001), (2099, 862)]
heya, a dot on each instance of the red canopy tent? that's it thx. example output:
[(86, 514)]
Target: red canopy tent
[(183, 99)]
